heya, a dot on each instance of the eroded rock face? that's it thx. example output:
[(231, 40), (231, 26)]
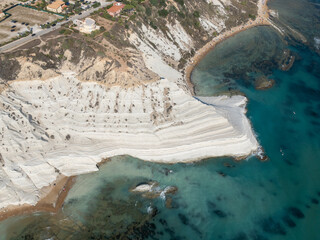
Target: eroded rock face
[(112, 103), (88, 60), (64, 126)]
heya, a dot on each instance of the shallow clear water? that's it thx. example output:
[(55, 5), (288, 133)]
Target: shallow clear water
[(235, 64), (275, 200)]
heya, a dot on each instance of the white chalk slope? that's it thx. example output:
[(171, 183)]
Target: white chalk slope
[(66, 126)]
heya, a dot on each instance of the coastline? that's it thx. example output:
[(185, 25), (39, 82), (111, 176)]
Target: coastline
[(51, 201), (55, 194), (261, 20)]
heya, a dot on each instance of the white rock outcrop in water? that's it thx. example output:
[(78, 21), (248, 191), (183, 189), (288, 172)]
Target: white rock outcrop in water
[(64, 126)]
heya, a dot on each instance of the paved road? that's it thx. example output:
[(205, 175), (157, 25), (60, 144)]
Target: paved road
[(22, 41)]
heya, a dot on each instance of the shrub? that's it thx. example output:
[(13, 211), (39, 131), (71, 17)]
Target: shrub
[(106, 34), (197, 24), (181, 2), (128, 7), (65, 31), (163, 13), (253, 17), (154, 2), (96, 4), (148, 11), (162, 3), (196, 14), (181, 14), (153, 25)]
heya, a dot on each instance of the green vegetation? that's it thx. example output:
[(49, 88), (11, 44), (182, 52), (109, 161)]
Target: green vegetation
[(197, 24), (108, 36), (181, 14), (134, 3), (181, 2), (65, 31), (96, 4), (67, 43), (148, 11), (153, 25), (253, 17), (154, 2), (163, 13), (128, 7), (41, 5), (196, 14)]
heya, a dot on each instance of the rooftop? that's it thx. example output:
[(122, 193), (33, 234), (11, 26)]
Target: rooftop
[(89, 22), (56, 4), (116, 7)]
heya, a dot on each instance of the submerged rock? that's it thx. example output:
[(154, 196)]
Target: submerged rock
[(183, 219), (315, 201), (144, 187), (262, 83), (288, 221), (171, 190), (296, 212), (220, 213), (169, 202), (270, 226), (152, 190)]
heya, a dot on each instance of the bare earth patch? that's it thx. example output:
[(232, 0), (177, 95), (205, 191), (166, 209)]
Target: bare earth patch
[(23, 15), (31, 16)]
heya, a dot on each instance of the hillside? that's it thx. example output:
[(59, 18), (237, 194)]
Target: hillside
[(70, 100), (123, 53)]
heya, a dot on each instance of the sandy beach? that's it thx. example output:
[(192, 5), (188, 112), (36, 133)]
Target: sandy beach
[(52, 199)]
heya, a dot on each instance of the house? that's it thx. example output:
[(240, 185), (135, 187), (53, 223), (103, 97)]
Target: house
[(56, 6), (2, 15), (86, 26), (116, 9)]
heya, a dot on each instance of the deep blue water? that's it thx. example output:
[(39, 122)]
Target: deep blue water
[(276, 200), (286, 121)]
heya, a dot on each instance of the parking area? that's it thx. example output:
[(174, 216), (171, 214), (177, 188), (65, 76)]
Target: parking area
[(22, 20)]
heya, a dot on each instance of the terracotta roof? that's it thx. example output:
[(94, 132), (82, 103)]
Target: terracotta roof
[(56, 4), (115, 8)]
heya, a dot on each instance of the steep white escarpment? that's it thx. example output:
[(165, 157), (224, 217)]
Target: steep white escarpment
[(64, 126)]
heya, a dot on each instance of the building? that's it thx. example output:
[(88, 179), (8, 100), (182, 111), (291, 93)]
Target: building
[(56, 6), (2, 15), (116, 9), (86, 26)]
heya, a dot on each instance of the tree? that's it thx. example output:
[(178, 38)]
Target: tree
[(196, 14), (163, 13), (148, 11)]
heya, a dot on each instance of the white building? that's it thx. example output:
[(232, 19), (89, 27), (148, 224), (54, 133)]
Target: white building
[(86, 26), (2, 15)]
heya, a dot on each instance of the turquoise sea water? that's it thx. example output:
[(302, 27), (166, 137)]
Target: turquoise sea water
[(275, 200)]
